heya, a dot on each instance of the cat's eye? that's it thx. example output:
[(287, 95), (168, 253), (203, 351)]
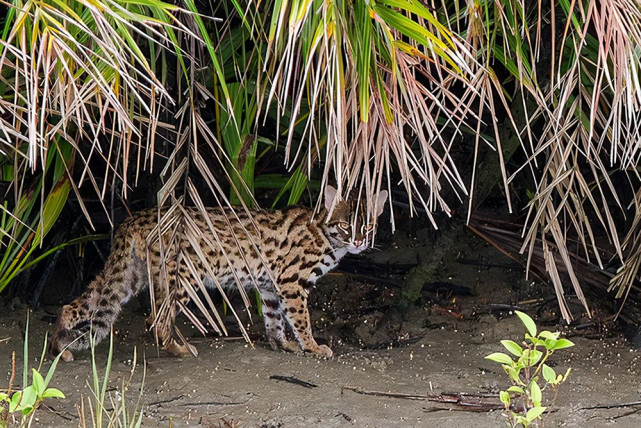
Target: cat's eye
[(344, 225), (368, 228)]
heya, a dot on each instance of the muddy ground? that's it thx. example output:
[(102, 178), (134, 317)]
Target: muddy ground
[(434, 346)]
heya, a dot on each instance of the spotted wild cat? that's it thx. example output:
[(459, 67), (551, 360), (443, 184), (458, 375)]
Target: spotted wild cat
[(297, 247)]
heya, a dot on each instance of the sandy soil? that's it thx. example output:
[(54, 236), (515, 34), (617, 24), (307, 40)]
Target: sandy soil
[(435, 347)]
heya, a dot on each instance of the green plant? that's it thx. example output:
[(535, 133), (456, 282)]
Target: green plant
[(23, 228), (111, 410), (524, 399), (26, 401)]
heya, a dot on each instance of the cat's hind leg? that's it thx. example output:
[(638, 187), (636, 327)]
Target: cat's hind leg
[(91, 313), (98, 307), (169, 297)]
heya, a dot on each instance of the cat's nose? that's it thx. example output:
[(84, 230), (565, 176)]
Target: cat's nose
[(357, 243)]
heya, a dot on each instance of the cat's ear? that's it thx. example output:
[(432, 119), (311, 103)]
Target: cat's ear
[(380, 202), (330, 194)]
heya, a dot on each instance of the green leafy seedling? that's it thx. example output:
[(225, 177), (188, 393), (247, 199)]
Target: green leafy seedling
[(27, 400), (525, 365)]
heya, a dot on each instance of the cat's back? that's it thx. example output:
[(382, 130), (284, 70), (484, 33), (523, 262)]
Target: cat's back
[(221, 233)]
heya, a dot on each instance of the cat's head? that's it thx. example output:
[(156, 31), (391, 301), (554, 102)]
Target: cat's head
[(349, 226)]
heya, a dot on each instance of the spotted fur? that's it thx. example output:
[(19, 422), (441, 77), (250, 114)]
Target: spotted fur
[(297, 247)]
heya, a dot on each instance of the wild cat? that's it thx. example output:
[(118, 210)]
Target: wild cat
[(297, 247)]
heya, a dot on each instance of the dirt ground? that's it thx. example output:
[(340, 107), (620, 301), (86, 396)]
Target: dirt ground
[(436, 346)]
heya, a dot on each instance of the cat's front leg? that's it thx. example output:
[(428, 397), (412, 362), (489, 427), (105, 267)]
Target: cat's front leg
[(273, 316), (293, 305)]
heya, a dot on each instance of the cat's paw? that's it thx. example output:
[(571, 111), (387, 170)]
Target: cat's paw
[(324, 351), (66, 356), (60, 340)]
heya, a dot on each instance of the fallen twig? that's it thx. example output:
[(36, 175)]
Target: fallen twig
[(502, 307), (446, 311), (530, 301), (467, 402), (385, 394), (626, 414), (212, 403), (345, 416), (293, 380), (612, 406), (472, 402)]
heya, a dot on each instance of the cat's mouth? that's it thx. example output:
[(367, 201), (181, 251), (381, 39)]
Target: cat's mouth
[(357, 247)]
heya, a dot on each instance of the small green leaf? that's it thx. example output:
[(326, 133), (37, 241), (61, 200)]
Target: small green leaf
[(38, 382), (511, 372), (505, 398), (534, 357), (535, 393), (544, 342), (534, 413), (562, 344), (15, 401), (29, 397), (516, 389), (549, 374), (500, 357), (527, 322), (549, 335), (4, 397), (512, 347), (53, 393)]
